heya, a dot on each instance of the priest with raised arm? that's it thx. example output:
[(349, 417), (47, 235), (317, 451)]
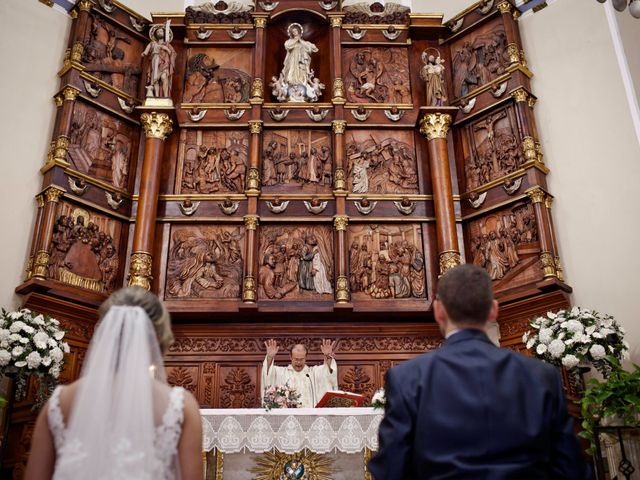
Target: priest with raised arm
[(310, 382)]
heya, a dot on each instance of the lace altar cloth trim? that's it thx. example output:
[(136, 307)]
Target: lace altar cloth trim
[(321, 430)]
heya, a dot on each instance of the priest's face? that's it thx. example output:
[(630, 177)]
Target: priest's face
[(298, 359)]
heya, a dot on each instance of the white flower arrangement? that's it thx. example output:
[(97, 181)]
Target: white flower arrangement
[(31, 344), (379, 400), (568, 338)]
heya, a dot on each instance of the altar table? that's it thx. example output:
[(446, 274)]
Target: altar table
[(245, 444)]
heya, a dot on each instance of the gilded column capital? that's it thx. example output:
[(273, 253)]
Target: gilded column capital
[(338, 90), (255, 127), (449, 259), (58, 100), (335, 22), (520, 95), (260, 22), (435, 125), (339, 180), (529, 149), (53, 194), (559, 269), (338, 126), (548, 265), (251, 222), (249, 289), (61, 149), (548, 201), (41, 265), (539, 154), (342, 289), (257, 89), (70, 93), (76, 52), (504, 7), (340, 222), (85, 5), (140, 270), (156, 125), (532, 102), (40, 200), (253, 180), (536, 194), (28, 271), (514, 53)]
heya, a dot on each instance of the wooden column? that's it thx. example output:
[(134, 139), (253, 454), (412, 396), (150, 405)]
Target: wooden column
[(340, 220), (35, 237), (43, 245), (336, 60), (554, 244), (435, 126), (260, 22), (526, 125), (516, 55), (340, 223), (339, 177), (82, 22), (547, 258), (249, 294), (157, 126)]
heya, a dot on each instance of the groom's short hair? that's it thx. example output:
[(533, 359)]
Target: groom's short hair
[(467, 295)]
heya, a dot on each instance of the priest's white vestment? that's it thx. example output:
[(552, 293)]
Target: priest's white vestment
[(311, 382)]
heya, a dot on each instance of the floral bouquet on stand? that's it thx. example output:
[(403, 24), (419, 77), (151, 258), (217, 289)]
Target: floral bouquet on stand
[(31, 344), (577, 337), (277, 396), (379, 400)]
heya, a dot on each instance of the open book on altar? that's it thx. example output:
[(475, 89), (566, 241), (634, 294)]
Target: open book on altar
[(337, 398)]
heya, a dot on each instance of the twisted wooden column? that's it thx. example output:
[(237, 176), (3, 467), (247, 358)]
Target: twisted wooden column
[(43, 245), (435, 126), (157, 127)]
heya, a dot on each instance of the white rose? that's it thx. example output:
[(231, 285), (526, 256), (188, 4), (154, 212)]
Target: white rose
[(17, 351), (52, 343), (33, 360), (57, 354), (545, 336), (574, 326), (21, 364), (15, 337), (17, 326), (556, 348), (39, 320), (28, 329), (570, 361), (597, 352), (41, 339), (24, 340), (541, 349), (5, 357), (4, 344), (46, 361), (58, 335), (584, 339), (4, 334)]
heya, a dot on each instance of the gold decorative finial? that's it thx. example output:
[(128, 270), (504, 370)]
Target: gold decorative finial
[(342, 290), (249, 289), (140, 270)]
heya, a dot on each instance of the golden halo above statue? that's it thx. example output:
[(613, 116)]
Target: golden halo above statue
[(295, 25), (155, 28)]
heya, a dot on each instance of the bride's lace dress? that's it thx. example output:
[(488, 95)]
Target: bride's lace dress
[(125, 463)]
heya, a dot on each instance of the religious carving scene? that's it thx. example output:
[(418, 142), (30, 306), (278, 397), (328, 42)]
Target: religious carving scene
[(479, 58), (84, 250), (100, 145), (220, 75), (376, 13), (296, 262), (296, 161), (297, 81), (491, 147), (377, 75), (205, 262), (386, 261), (162, 61), (229, 11), (380, 162), (506, 245), (112, 55), (432, 72), (212, 161)]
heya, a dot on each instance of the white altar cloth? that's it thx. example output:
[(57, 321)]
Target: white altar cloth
[(321, 430)]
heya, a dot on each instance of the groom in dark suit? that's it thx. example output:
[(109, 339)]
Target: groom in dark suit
[(471, 410)]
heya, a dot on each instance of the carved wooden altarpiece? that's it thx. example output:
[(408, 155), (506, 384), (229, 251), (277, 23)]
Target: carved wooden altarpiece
[(290, 197)]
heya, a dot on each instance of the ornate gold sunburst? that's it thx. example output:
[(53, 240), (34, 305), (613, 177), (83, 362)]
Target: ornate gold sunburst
[(304, 465)]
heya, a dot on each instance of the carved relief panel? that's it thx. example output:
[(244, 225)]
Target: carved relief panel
[(386, 261), (220, 75), (358, 379), (295, 161), (377, 75), (113, 55), (296, 262), (479, 58), (505, 243), (381, 162), (238, 386), (185, 376), (205, 262), (84, 249), (492, 147), (212, 161), (100, 145)]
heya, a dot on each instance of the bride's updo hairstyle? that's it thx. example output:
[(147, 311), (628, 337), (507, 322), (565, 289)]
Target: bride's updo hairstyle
[(154, 308)]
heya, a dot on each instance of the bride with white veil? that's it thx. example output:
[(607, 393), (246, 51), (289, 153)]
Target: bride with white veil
[(121, 420)]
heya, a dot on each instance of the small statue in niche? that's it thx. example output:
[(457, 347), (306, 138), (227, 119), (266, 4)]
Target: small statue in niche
[(433, 74), (163, 60), (296, 82)]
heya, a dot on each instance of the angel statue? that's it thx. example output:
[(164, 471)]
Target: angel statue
[(432, 73), (296, 82), (163, 60)]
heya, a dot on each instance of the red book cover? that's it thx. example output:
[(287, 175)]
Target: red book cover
[(340, 399)]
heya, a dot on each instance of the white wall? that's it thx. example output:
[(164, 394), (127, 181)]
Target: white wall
[(582, 113)]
